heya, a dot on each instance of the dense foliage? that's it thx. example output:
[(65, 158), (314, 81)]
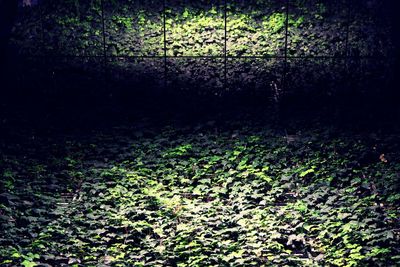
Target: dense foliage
[(236, 194), (196, 28), (224, 192)]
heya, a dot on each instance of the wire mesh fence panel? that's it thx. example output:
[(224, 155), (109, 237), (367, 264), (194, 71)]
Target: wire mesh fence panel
[(195, 28), (75, 77), (268, 35), (131, 76), (255, 76), (315, 76), (72, 28), (370, 29), (256, 28), (134, 28), (317, 28), (202, 76)]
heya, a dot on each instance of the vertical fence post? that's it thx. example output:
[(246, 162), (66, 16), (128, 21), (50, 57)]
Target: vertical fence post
[(286, 44), (43, 57), (280, 91), (225, 46), (346, 48), (165, 43), (348, 20), (41, 26), (286, 29), (105, 63)]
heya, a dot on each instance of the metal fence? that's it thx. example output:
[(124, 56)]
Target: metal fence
[(344, 58)]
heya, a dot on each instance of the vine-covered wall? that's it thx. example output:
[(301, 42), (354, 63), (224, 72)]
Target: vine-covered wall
[(207, 46)]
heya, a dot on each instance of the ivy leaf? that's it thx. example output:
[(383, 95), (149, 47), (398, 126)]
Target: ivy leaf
[(28, 263), (304, 173)]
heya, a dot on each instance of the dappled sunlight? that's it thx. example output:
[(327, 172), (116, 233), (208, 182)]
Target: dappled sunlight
[(199, 133), (200, 197)]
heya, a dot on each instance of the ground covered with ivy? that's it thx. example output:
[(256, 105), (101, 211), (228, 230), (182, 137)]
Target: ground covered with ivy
[(215, 193)]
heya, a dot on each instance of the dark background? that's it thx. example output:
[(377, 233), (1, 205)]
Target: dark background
[(53, 73)]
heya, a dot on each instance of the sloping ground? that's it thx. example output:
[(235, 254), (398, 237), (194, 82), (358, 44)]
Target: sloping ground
[(240, 194)]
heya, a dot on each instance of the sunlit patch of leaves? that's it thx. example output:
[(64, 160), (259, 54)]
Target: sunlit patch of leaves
[(200, 197)]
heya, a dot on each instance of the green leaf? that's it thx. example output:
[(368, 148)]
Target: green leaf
[(28, 263), (16, 255), (304, 173)]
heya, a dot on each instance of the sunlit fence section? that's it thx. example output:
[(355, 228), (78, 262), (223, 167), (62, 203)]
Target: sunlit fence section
[(209, 47)]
